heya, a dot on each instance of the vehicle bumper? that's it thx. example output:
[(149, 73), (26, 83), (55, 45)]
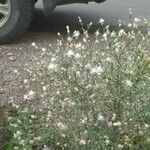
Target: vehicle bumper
[(49, 5), (61, 2)]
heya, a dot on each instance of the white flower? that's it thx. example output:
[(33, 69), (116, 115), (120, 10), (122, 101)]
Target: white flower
[(88, 66), (43, 49), (70, 53), (39, 138), (120, 146), (97, 33), (128, 83), (79, 45), (136, 20), (129, 25), (33, 44), (69, 39), (15, 71), (14, 125), (22, 142), (18, 133), (114, 117), (104, 36), (77, 55), (80, 20), (146, 126), (102, 21), (91, 23), (61, 126), (101, 117), (25, 97), (108, 59), (31, 93), (113, 34), (84, 40), (97, 70), (44, 88), (68, 29), (121, 32), (58, 34), (130, 11), (97, 41), (31, 142), (120, 23), (53, 59), (33, 116), (107, 141), (25, 81), (52, 66), (76, 34), (82, 142), (117, 124)]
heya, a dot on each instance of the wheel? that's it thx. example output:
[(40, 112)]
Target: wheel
[(15, 18)]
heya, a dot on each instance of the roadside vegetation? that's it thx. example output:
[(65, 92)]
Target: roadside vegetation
[(84, 94)]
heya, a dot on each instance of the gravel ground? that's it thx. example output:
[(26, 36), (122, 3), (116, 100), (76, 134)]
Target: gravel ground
[(13, 58)]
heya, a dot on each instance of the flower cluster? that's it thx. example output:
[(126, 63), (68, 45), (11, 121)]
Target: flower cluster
[(87, 94)]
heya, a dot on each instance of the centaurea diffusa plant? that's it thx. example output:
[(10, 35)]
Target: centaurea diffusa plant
[(85, 94)]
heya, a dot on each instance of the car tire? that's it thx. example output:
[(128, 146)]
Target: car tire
[(20, 17)]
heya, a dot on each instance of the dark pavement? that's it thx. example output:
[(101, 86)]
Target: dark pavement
[(111, 11)]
